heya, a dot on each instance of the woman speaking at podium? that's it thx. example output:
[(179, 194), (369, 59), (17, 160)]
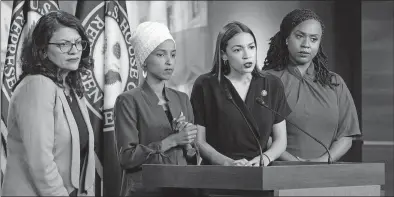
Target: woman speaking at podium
[(232, 125), (321, 103), (153, 123)]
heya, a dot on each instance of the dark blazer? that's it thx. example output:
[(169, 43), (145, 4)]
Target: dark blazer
[(43, 142), (140, 126)]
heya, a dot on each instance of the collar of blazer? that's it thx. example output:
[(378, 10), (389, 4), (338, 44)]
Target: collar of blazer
[(173, 99), (75, 165)]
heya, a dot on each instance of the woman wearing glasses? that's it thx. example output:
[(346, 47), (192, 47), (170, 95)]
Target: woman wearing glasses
[(50, 140)]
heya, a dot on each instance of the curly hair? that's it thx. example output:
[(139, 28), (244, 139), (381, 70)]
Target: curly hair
[(229, 31), (278, 53), (34, 62)]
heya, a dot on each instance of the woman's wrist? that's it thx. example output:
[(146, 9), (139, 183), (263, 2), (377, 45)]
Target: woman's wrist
[(168, 143), (228, 162), (269, 159)]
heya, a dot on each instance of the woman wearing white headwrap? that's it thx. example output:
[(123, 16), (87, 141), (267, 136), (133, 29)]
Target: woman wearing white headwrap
[(153, 123)]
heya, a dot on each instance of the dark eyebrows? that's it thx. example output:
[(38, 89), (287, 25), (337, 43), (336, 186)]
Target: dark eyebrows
[(164, 51), (303, 33), (69, 40), (242, 46)]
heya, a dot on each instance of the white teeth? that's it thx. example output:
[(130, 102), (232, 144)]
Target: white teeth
[(248, 64)]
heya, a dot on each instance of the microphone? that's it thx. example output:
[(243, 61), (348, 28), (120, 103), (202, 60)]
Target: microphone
[(260, 101), (230, 97)]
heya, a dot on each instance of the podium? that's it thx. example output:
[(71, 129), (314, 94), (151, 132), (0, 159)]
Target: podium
[(281, 178)]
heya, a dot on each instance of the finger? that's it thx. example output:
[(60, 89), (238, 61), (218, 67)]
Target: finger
[(176, 125), (237, 162), (191, 132), (251, 162), (192, 126), (241, 162), (181, 120), (189, 124), (180, 125), (186, 141), (191, 137)]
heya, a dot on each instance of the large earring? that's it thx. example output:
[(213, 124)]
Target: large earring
[(42, 54), (287, 42), (144, 72), (225, 62)]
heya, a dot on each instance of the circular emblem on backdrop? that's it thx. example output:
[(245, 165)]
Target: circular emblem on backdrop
[(114, 63), (112, 75), (19, 30), (92, 82)]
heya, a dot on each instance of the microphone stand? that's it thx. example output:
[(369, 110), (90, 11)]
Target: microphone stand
[(228, 94)]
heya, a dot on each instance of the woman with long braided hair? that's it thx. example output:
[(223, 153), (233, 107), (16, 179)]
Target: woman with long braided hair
[(320, 101)]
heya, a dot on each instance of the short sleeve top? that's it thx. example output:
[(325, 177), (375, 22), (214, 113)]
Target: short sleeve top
[(226, 117), (326, 113)]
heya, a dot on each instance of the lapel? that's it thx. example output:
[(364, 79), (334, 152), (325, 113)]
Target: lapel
[(172, 101), (149, 95), (241, 104), (90, 167), (75, 154), (174, 104)]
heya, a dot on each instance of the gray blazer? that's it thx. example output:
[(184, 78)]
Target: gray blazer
[(43, 142), (140, 125)]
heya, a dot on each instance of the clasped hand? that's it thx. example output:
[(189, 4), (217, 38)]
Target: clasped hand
[(186, 132)]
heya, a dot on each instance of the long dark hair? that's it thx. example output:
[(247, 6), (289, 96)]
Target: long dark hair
[(34, 62), (278, 53), (228, 32)]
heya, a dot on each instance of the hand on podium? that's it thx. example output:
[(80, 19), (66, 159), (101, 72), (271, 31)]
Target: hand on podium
[(244, 162), (256, 161), (318, 159)]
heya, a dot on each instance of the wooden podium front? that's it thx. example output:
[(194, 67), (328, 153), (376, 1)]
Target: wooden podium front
[(282, 178)]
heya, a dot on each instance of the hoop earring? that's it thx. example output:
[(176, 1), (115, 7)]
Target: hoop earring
[(225, 62), (41, 54)]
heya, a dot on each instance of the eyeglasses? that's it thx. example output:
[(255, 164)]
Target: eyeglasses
[(66, 47)]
